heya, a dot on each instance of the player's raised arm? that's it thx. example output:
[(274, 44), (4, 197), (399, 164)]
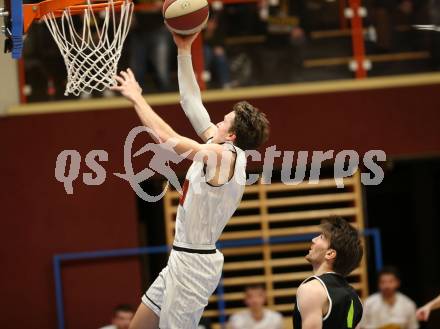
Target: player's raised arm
[(131, 90), (190, 97)]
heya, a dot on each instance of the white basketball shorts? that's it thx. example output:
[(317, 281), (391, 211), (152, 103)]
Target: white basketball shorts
[(181, 291)]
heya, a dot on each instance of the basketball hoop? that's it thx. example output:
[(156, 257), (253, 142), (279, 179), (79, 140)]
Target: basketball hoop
[(91, 45)]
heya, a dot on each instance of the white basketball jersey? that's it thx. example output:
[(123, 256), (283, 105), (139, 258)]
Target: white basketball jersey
[(204, 209)]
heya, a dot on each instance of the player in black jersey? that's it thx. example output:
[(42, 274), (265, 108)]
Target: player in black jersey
[(326, 300)]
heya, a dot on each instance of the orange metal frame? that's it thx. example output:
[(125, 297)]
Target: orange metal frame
[(35, 11), (357, 37)]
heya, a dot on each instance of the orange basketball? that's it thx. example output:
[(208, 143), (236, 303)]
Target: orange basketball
[(185, 16)]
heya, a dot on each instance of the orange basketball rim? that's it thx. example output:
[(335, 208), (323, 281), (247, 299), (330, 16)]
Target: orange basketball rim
[(36, 11)]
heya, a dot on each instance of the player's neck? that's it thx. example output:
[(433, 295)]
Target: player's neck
[(319, 269), (221, 140)]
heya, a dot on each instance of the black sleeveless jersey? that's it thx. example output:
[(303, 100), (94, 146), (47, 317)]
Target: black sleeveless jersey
[(345, 307)]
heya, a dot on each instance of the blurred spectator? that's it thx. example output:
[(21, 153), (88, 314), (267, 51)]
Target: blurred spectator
[(150, 45), (389, 309), (382, 21), (44, 65), (389, 15), (214, 51), (285, 24), (122, 315), (424, 312), (433, 10), (256, 316), (241, 19)]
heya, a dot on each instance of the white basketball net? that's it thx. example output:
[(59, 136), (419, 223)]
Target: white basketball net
[(91, 46)]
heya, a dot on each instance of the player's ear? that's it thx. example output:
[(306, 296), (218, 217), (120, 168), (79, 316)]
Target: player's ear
[(330, 254), (232, 137)]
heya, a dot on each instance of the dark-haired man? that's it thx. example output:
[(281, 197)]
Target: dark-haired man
[(211, 194), (326, 300), (122, 315), (388, 308)]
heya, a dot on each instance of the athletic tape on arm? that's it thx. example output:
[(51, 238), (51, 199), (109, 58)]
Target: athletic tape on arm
[(190, 97)]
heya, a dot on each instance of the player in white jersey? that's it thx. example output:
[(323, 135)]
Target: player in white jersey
[(211, 194)]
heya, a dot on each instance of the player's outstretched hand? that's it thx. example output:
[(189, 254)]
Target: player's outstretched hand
[(184, 42), (423, 313), (127, 85)]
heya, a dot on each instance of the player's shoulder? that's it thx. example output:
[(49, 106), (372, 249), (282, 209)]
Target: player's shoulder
[(311, 296), (311, 285), (312, 289), (233, 153)]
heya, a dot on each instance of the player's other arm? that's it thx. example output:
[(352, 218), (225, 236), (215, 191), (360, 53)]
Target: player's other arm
[(131, 90), (190, 97), (311, 300)]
